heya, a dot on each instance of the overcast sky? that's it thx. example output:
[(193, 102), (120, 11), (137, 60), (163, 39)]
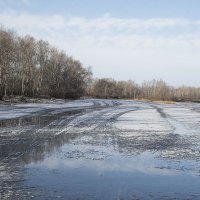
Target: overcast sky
[(121, 39)]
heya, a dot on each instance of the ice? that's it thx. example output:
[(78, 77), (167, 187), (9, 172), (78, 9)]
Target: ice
[(184, 120), (148, 120), (20, 110)]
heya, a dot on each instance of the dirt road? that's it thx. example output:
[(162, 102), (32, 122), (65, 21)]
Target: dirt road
[(100, 149)]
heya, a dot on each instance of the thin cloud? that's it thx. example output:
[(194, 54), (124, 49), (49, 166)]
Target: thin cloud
[(105, 23), (138, 48)]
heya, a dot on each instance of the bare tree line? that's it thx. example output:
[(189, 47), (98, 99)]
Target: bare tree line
[(34, 68), (150, 90), (29, 67)]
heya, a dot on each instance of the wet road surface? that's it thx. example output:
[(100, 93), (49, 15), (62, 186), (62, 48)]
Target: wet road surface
[(100, 149)]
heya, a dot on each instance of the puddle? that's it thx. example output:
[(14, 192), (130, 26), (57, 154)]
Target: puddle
[(39, 120), (84, 171), (129, 151)]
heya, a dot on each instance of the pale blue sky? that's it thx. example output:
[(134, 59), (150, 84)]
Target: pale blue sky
[(118, 8), (121, 39)]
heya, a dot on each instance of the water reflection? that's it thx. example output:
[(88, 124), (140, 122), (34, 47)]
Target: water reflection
[(79, 166), (40, 119), (34, 137), (99, 163), (26, 150), (144, 163), (116, 177)]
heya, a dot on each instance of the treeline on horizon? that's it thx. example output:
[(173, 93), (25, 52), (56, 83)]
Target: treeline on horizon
[(30, 67)]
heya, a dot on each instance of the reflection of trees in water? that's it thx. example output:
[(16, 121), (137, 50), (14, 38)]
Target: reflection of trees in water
[(27, 150), (32, 133), (34, 120), (30, 144), (35, 143), (37, 120), (23, 152)]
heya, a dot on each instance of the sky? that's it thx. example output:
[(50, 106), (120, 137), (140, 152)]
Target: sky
[(121, 39)]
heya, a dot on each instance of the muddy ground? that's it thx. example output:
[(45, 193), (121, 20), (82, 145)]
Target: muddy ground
[(100, 149)]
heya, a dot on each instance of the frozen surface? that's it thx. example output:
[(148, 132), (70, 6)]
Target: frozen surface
[(14, 111), (139, 121), (100, 149)]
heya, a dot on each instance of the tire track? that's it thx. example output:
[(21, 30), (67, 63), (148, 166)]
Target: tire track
[(30, 139)]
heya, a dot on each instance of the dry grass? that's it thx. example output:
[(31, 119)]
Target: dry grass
[(156, 101), (164, 102)]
